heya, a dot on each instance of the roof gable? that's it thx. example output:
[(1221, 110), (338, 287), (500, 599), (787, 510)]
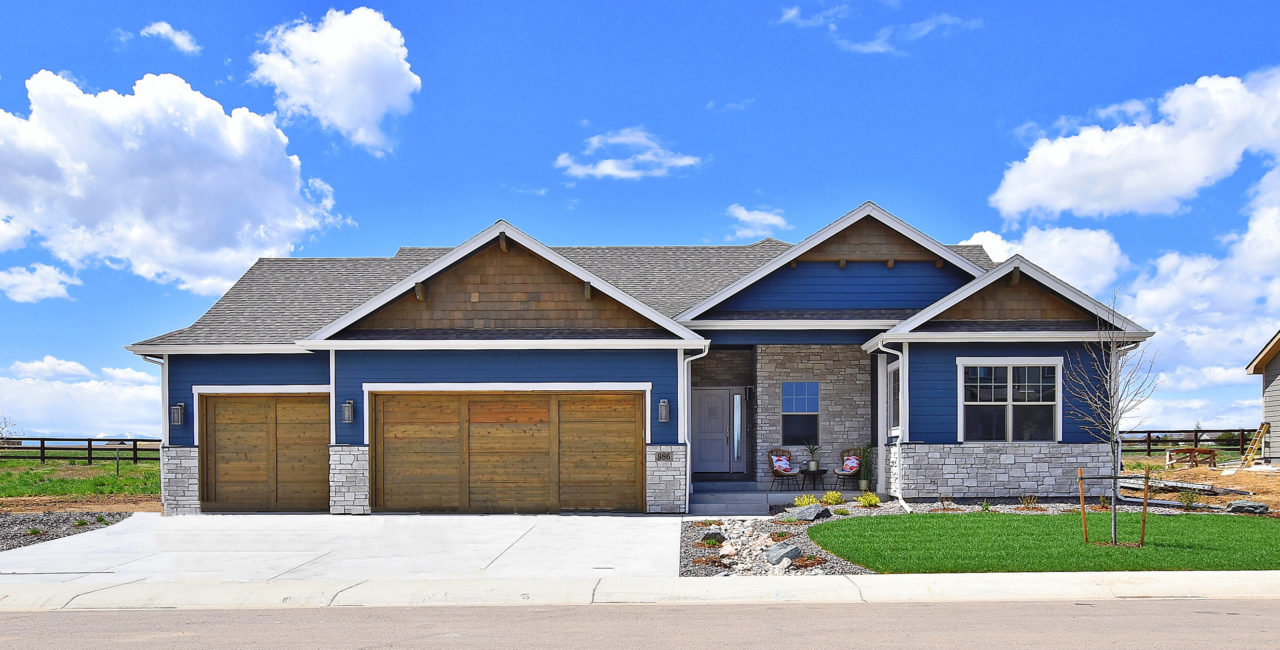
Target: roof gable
[(845, 239), (1043, 298), (1265, 356), (500, 231)]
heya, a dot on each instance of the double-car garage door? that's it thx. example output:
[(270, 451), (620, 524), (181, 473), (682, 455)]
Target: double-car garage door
[(430, 452), (508, 452)]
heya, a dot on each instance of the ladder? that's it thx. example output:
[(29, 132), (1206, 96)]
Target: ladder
[(1255, 445)]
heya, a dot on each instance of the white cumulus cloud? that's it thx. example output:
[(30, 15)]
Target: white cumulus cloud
[(162, 182), (88, 408), (36, 283), (50, 367), (629, 153), (887, 39), (180, 39), (1088, 259), (129, 376), (349, 72), (752, 224)]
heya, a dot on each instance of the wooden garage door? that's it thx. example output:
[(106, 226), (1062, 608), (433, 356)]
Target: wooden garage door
[(508, 452), (264, 452)]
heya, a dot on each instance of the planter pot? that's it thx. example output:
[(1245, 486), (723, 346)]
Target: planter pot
[(864, 484), (813, 466)]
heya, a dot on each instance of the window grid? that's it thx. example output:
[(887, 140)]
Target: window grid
[(800, 397), (1032, 385)]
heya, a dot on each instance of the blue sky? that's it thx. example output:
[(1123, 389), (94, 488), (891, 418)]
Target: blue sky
[(1128, 147)]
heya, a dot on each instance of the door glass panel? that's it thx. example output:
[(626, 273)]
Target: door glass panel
[(737, 427)]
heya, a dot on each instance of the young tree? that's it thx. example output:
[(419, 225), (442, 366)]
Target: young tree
[(1108, 379), (9, 428)]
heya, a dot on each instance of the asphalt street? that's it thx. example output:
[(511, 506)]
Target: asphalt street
[(1128, 623)]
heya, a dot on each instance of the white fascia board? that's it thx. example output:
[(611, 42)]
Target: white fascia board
[(1007, 337), (259, 389), (1264, 356), (790, 324), (1076, 296), (250, 348), (509, 344), (867, 209), (471, 245)]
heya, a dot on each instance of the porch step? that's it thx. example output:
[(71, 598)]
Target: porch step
[(724, 486), (728, 497), (709, 502), (728, 509)]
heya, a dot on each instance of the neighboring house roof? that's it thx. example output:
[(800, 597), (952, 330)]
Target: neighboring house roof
[(1265, 355), (282, 300)]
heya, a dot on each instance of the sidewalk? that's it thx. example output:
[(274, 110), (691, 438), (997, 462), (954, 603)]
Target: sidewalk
[(591, 591)]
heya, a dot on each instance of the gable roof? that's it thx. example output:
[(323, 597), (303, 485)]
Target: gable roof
[(1020, 263), (484, 237), (866, 210), (1265, 355)]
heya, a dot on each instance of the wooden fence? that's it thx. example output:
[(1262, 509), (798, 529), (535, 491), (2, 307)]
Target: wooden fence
[(132, 450), (1156, 441)]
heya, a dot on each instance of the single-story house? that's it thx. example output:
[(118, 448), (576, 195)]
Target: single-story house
[(1267, 364), (504, 375)]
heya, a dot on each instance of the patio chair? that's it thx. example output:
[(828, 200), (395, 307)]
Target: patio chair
[(783, 471), (847, 472)]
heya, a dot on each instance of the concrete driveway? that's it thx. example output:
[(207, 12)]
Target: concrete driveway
[(260, 548)]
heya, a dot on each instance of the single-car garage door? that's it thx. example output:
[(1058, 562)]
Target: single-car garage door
[(508, 452), (264, 452)]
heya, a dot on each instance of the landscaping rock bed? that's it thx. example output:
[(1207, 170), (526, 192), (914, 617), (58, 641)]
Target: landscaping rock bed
[(747, 542), (22, 529)]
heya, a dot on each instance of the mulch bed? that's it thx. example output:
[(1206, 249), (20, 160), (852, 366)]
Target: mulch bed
[(809, 561), (16, 529), (707, 523), (781, 535)]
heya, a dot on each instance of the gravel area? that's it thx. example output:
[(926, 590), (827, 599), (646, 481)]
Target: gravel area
[(16, 528), (748, 539)]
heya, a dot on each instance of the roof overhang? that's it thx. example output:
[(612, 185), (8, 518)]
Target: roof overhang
[(1076, 296), (1005, 337), (778, 324), (1265, 355), (507, 344), (247, 348), (863, 211), (475, 243)]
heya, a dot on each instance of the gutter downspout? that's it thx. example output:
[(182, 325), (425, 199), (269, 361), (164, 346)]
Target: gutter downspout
[(902, 417), (685, 410)]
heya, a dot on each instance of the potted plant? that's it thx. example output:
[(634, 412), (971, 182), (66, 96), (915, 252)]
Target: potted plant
[(864, 470), (813, 456)]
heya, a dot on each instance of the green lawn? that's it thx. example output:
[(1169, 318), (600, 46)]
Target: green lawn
[(22, 478), (993, 542)]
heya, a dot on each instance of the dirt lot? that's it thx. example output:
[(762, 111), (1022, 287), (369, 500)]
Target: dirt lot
[(1264, 484), (85, 503)]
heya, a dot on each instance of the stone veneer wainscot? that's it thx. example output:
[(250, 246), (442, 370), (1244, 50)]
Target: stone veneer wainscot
[(665, 483), (180, 480), (996, 469), (348, 480)]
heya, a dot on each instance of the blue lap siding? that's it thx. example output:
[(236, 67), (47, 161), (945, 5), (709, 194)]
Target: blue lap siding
[(933, 398), (355, 368), (189, 370), (784, 337), (859, 285)]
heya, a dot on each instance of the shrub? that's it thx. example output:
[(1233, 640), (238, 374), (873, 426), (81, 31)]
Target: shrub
[(34, 531), (806, 500), (985, 505), (1028, 501), (833, 498), (788, 520), (81, 522), (1188, 499), (869, 500), (840, 511), (1104, 502), (101, 519)]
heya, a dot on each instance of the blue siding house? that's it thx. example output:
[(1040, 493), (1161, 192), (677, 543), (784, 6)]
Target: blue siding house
[(503, 375)]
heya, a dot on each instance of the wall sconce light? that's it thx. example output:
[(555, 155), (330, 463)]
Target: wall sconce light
[(175, 414), (348, 412), (664, 410)]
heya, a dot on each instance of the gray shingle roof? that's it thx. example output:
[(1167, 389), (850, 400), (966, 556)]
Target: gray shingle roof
[(282, 300)]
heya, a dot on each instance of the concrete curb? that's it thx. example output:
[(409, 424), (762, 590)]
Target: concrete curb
[(974, 587)]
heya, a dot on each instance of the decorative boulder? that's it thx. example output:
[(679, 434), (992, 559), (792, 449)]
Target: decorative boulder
[(728, 550), (782, 551), (1247, 507), (812, 513), (713, 534)]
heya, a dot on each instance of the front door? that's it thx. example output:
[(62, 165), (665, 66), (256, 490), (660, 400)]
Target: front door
[(717, 430)]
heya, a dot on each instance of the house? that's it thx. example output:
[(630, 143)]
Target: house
[(504, 375), (1267, 364)]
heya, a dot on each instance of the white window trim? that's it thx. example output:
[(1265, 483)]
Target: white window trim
[(491, 387), (889, 401), (1009, 362), (246, 389)]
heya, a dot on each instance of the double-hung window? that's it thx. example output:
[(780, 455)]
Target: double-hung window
[(799, 413), (1010, 400)]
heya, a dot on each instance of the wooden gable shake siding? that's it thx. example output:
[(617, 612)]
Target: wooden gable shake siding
[(187, 370), (1027, 300), (933, 398), (869, 240), (354, 368), (492, 289)]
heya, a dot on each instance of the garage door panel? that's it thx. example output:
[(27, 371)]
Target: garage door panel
[(509, 437), (599, 408), (489, 411), (417, 432), (420, 409), (314, 412)]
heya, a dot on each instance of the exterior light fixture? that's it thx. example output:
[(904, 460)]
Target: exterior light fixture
[(664, 410), (175, 414), (348, 412)]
